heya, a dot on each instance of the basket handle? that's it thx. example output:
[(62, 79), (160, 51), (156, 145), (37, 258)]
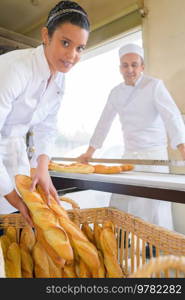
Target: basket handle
[(70, 201), (75, 206)]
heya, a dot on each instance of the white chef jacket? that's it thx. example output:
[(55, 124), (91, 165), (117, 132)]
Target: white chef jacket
[(146, 112), (26, 102)]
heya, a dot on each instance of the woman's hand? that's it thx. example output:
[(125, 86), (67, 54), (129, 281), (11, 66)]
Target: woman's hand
[(16, 201), (41, 176)]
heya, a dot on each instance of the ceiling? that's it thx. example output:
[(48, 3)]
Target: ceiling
[(28, 16)]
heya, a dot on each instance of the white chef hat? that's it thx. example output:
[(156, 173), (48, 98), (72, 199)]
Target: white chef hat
[(131, 48)]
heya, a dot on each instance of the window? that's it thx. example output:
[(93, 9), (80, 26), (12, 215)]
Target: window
[(88, 85)]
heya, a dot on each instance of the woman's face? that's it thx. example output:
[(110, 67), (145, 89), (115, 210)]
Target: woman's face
[(64, 49)]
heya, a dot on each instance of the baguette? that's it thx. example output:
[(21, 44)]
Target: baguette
[(97, 232), (11, 233), (27, 238), (13, 261), (5, 243), (109, 249), (87, 230), (50, 251), (55, 270), (69, 271), (102, 169), (101, 271), (71, 168), (44, 218), (26, 263), (127, 167), (41, 264)]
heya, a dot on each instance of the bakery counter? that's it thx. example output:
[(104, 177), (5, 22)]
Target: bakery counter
[(167, 187)]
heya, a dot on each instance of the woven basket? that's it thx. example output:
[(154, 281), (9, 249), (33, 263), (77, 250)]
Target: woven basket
[(132, 233)]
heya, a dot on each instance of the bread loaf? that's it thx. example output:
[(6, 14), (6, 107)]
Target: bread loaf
[(127, 167), (11, 233), (97, 232), (55, 270), (27, 238), (69, 271), (41, 264), (5, 243), (109, 248), (13, 261), (26, 263), (87, 230), (71, 168), (50, 250), (44, 218), (102, 169)]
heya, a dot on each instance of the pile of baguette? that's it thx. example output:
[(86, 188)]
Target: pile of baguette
[(56, 247), (88, 168)]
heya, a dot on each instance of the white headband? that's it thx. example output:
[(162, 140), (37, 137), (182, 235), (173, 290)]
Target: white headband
[(131, 48), (65, 11)]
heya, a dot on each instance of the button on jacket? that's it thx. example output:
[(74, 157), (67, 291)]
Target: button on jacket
[(26, 102), (146, 112)]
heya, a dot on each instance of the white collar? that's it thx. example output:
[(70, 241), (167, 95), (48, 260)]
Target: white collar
[(43, 67)]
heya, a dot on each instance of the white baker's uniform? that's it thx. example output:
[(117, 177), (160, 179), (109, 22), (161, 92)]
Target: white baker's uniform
[(147, 114), (26, 102)]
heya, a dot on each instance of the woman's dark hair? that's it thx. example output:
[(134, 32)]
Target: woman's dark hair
[(67, 12)]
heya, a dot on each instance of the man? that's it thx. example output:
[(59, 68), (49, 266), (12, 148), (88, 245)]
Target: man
[(148, 115)]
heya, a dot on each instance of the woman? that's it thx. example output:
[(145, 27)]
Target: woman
[(31, 86)]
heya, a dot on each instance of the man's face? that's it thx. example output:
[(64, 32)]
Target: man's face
[(131, 67)]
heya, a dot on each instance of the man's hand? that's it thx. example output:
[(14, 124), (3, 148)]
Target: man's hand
[(14, 199), (181, 148), (85, 157)]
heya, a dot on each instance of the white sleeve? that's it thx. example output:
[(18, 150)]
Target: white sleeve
[(44, 135), (170, 115), (11, 85), (104, 123)]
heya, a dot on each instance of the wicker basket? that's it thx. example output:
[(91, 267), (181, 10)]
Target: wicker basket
[(132, 233)]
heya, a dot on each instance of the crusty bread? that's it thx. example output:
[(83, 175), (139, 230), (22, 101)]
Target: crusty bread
[(41, 264), (44, 218), (11, 233), (26, 263), (127, 167), (84, 271), (102, 169), (87, 230), (109, 248), (71, 168), (69, 271), (5, 243), (50, 250), (13, 261), (101, 271), (97, 232), (55, 270), (27, 238)]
